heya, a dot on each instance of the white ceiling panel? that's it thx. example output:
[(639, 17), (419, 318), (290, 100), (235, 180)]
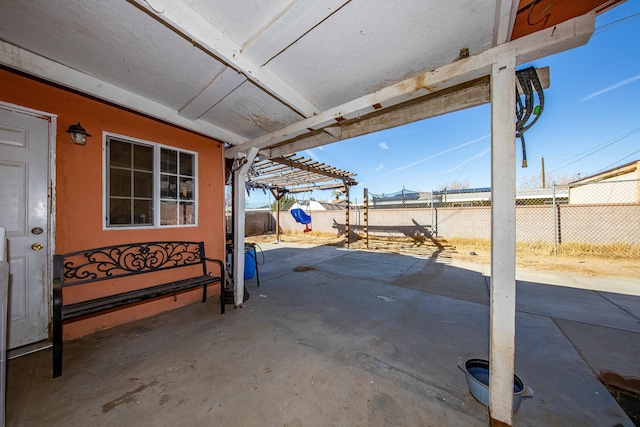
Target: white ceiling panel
[(250, 112), (240, 20), (372, 44), (113, 41)]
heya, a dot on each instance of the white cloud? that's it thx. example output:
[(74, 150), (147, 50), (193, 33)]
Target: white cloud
[(384, 145), (437, 154), (379, 168), (311, 154), (482, 153), (612, 87)]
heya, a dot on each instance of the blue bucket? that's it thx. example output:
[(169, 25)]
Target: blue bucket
[(249, 263)]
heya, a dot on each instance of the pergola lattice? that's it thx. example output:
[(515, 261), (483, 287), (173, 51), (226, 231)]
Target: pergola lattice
[(296, 174)]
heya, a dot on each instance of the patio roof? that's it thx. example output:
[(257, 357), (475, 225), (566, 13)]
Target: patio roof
[(296, 174), (282, 75)]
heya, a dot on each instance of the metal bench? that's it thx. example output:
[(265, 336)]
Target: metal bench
[(118, 262)]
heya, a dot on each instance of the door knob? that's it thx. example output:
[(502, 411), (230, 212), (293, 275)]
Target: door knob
[(37, 246)]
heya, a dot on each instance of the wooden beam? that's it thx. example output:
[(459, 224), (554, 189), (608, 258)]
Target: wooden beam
[(463, 96), (546, 42), (317, 187), (309, 168)]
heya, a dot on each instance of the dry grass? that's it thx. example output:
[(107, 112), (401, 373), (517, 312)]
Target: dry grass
[(593, 260), (611, 251)]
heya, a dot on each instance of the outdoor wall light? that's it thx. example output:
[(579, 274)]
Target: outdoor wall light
[(78, 134)]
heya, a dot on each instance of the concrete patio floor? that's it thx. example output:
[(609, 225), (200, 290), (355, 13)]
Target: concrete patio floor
[(358, 339)]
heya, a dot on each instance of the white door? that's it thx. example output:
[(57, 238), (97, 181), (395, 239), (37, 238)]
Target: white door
[(24, 213)]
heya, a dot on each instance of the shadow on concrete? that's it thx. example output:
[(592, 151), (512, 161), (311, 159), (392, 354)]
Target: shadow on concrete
[(359, 338)]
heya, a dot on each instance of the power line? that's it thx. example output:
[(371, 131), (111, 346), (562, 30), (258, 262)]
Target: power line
[(615, 163), (589, 152), (599, 29), (602, 147)]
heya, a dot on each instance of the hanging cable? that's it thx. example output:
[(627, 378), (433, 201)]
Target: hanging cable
[(526, 109)]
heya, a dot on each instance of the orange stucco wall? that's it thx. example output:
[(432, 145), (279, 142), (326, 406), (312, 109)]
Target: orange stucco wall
[(79, 204)]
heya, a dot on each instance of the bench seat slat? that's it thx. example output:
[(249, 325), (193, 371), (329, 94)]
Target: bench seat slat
[(97, 305)]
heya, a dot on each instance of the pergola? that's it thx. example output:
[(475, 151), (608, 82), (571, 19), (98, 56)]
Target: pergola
[(292, 174), (280, 76)]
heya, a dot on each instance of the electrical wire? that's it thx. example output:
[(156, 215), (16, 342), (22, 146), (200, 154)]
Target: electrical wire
[(587, 153), (602, 147), (606, 27), (615, 163)]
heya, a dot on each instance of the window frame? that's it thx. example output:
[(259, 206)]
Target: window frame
[(156, 191)]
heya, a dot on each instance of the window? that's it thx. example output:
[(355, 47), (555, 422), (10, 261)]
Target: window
[(132, 197)]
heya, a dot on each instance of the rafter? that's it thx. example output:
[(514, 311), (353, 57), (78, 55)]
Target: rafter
[(506, 11), (187, 22)]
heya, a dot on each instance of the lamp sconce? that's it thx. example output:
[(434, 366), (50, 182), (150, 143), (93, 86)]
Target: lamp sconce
[(78, 134)]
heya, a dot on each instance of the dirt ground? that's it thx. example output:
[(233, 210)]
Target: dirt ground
[(584, 265)]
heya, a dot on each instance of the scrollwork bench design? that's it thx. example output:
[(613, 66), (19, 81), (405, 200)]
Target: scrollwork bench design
[(120, 261)]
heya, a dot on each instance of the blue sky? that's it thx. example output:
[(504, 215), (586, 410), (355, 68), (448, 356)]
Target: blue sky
[(590, 123)]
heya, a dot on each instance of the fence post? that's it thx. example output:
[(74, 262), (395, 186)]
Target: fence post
[(432, 224), (555, 222)]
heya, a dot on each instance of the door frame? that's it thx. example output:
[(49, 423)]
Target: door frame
[(51, 194)]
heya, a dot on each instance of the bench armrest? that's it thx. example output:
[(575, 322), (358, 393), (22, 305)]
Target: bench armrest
[(220, 265), (222, 280)]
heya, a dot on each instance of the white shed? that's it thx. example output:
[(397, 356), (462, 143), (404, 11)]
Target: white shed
[(617, 185)]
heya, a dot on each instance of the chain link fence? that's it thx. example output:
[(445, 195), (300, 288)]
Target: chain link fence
[(599, 218), (586, 218)]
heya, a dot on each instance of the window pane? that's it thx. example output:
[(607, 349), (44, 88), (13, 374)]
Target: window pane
[(142, 212), (168, 161), (120, 182), (186, 189), (168, 187), (119, 153), (143, 184), (142, 157), (168, 213), (186, 164), (119, 211), (186, 213)]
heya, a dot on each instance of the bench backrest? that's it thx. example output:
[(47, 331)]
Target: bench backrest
[(110, 262)]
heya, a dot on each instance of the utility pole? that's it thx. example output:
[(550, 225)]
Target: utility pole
[(543, 176)]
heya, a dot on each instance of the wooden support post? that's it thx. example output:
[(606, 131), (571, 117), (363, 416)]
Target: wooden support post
[(278, 219), (278, 195), (239, 178), (366, 217), (346, 222), (503, 240)]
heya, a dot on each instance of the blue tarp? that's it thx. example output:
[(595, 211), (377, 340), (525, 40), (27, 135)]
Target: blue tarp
[(301, 216)]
